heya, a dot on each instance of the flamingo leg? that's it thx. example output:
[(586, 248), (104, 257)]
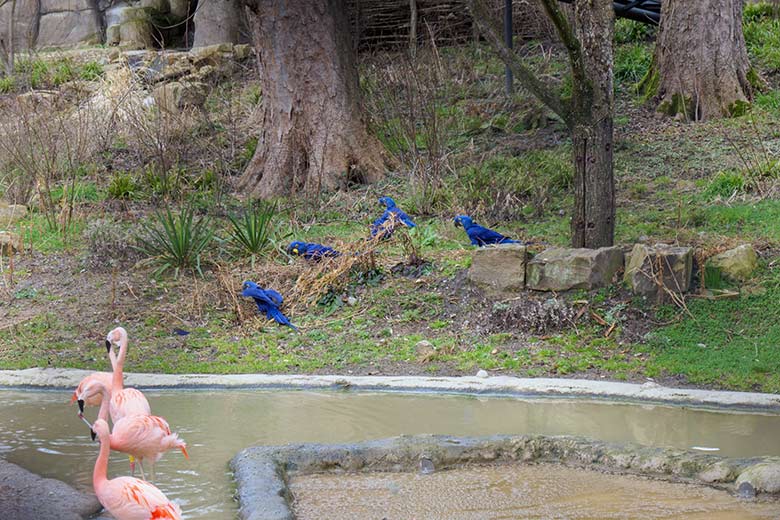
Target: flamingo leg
[(151, 471), (132, 465), (141, 467)]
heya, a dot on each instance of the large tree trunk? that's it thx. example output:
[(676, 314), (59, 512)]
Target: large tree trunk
[(593, 220), (700, 68), (313, 135)]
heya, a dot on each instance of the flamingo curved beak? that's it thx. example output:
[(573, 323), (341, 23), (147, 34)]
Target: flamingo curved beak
[(92, 434), (108, 346), (81, 406)]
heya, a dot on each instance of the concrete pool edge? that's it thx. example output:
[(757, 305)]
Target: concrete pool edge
[(495, 385), (262, 472)]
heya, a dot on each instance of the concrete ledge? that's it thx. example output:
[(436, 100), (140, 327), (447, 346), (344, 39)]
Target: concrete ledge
[(498, 385), (26, 495), (262, 472)]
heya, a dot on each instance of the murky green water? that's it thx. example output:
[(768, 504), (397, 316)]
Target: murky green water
[(40, 431)]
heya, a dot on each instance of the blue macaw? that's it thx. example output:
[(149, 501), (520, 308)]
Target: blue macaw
[(311, 251), (482, 236), (268, 302), (385, 225)]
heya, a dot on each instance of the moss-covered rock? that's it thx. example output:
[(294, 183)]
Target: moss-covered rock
[(735, 265), (499, 268)]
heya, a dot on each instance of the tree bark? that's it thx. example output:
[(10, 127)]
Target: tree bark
[(313, 135), (593, 219), (700, 68)]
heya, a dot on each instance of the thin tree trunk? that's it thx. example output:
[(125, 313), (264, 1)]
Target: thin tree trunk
[(593, 220), (313, 135), (413, 28), (700, 68)]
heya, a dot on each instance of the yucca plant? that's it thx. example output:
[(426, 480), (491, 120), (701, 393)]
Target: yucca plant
[(176, 241), (252, 234)]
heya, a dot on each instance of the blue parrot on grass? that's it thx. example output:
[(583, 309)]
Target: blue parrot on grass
[(385, 225), (311, 251), (268, 302), (482, 236)]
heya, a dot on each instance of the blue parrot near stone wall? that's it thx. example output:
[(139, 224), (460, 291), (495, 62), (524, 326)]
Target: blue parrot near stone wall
[(482, 236), (268, 302)]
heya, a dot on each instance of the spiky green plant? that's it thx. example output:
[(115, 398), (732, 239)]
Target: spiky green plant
[(176, 241), (252, 234)]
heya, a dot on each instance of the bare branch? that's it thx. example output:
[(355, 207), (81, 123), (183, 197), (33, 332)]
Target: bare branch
[(544, 91), (566, 33)]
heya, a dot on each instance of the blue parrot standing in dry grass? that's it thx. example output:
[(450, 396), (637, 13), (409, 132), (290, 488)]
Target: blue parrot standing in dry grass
[(385, 225), (482, 236), (311, 251), (268, 302)]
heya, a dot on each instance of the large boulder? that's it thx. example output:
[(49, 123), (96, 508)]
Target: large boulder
[(11, 213), (172, 97), (65, 23), (735, 265), (28, 496), (9, 243), (218, 21), (136, 28), (648, 268), (26, 18), (562, 269), (764, 477), (499, 268)]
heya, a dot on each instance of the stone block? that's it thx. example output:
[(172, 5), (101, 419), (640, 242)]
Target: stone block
[(764, 477), (499, 268), (135, 31), (647, 266), (113, 34), (11, 213), (562, 269), (172, 97), (158, 6), (9, 243), (736, 265), (218, 21), (68, 28)]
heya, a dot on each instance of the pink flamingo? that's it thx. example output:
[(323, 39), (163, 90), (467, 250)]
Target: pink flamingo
[(124, 401), (102, 377), (140, 436), (127, 498)]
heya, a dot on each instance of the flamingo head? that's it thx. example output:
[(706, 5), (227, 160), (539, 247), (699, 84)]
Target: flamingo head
[(99, 430), (115, 337)]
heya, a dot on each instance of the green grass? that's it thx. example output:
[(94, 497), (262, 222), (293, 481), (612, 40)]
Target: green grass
[(762, 36), (731, 343)]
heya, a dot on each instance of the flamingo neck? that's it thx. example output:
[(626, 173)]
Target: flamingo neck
[(99, 475), (118, 363), (104, 404)]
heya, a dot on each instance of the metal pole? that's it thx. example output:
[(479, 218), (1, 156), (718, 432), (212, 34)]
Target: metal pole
[(508, 40)]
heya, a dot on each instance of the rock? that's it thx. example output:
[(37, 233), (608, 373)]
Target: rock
[(37, 99), (158, 6), (67, 28), (26, 16), (242, 51), (218, 21), (9, 243), (172, 97), (425, 351), (180, 9), (135, 30), (736, 265), (499, 268), (764, 477), (214, 55), (11, 213), (746, 491), (646, 265), (482, 373), (562, 269), (351, 301), (26, 495), (113, 36), (718, 472)]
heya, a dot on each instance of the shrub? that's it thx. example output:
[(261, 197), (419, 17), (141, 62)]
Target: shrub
[(91, 71), (122, 186), (630, 31), (632, 62), (176, 242), (109, 245), (7, 84), (725, 184), (252, 234), (500, 186)]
